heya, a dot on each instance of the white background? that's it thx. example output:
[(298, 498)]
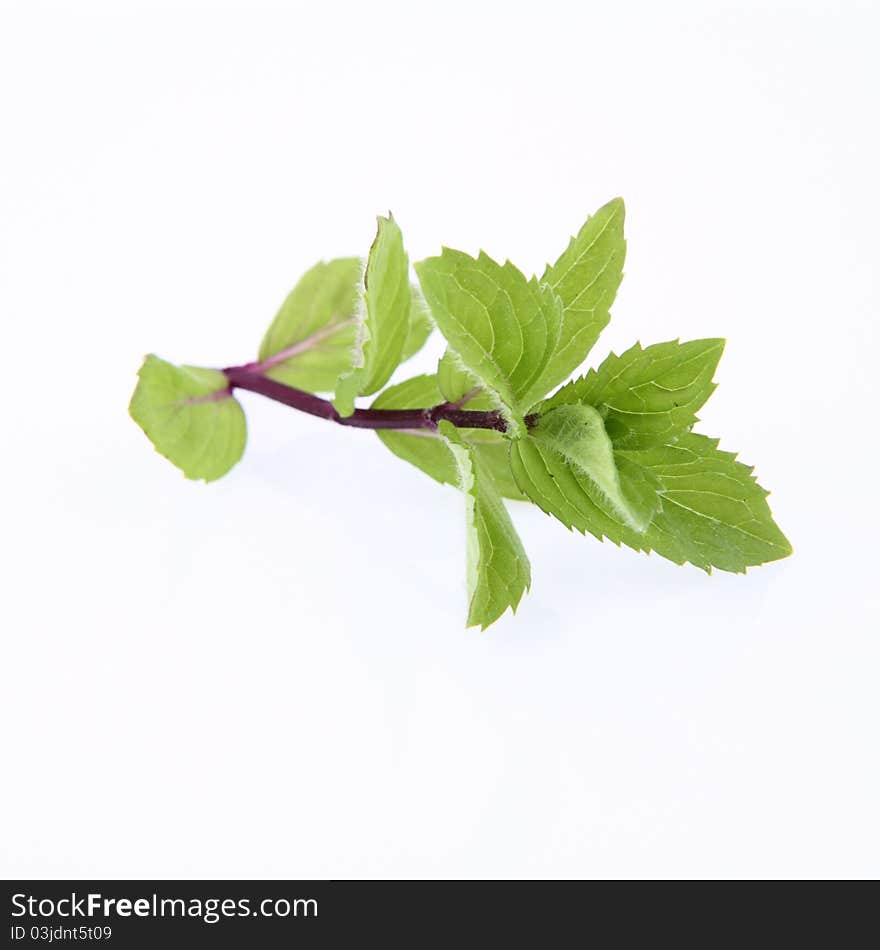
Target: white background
[(270, 676)]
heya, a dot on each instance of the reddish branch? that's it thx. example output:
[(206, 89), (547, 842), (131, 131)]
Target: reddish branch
[(244, 377)]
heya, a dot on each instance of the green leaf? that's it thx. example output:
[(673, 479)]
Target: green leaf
[(421, 326), (420, 447), (312, 340), (647, 396), (585, 278), (456, 382), (712, 512), (382, 335), (575, 437), (502, 327), (428, 450), (190, 417), (462, 388), (310, 343), (491, 448), (389, 302), (347, 390), (498, 571)]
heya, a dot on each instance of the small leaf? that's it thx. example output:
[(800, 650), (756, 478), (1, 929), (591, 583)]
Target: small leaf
[(382, 336), (647, 396), (502, 327), (585, 278), (190, 417), (498, 571), (347, 389), (712, 512), (456, 382), (460, 387), (310, 342), (576, 436), (428, 451)]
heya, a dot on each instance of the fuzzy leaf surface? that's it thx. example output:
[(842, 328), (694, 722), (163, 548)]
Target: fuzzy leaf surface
[(574, 436)]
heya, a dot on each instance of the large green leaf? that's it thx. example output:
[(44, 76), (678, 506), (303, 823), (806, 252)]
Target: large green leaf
[(712, 512), (498, 571), (382, 334), (585, 278), (502, 327), (190, 417), (310, 343), (647, 396), (428, 451)]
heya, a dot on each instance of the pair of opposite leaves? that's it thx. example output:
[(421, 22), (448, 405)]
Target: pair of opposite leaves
[(611, 453)]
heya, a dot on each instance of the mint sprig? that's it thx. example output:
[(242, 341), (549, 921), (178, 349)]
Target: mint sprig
[(612, 453)]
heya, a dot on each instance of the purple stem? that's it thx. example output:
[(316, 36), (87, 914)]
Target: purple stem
[(242, 377)]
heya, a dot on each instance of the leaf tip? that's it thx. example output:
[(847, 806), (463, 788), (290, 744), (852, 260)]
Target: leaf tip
[(617, 206)]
